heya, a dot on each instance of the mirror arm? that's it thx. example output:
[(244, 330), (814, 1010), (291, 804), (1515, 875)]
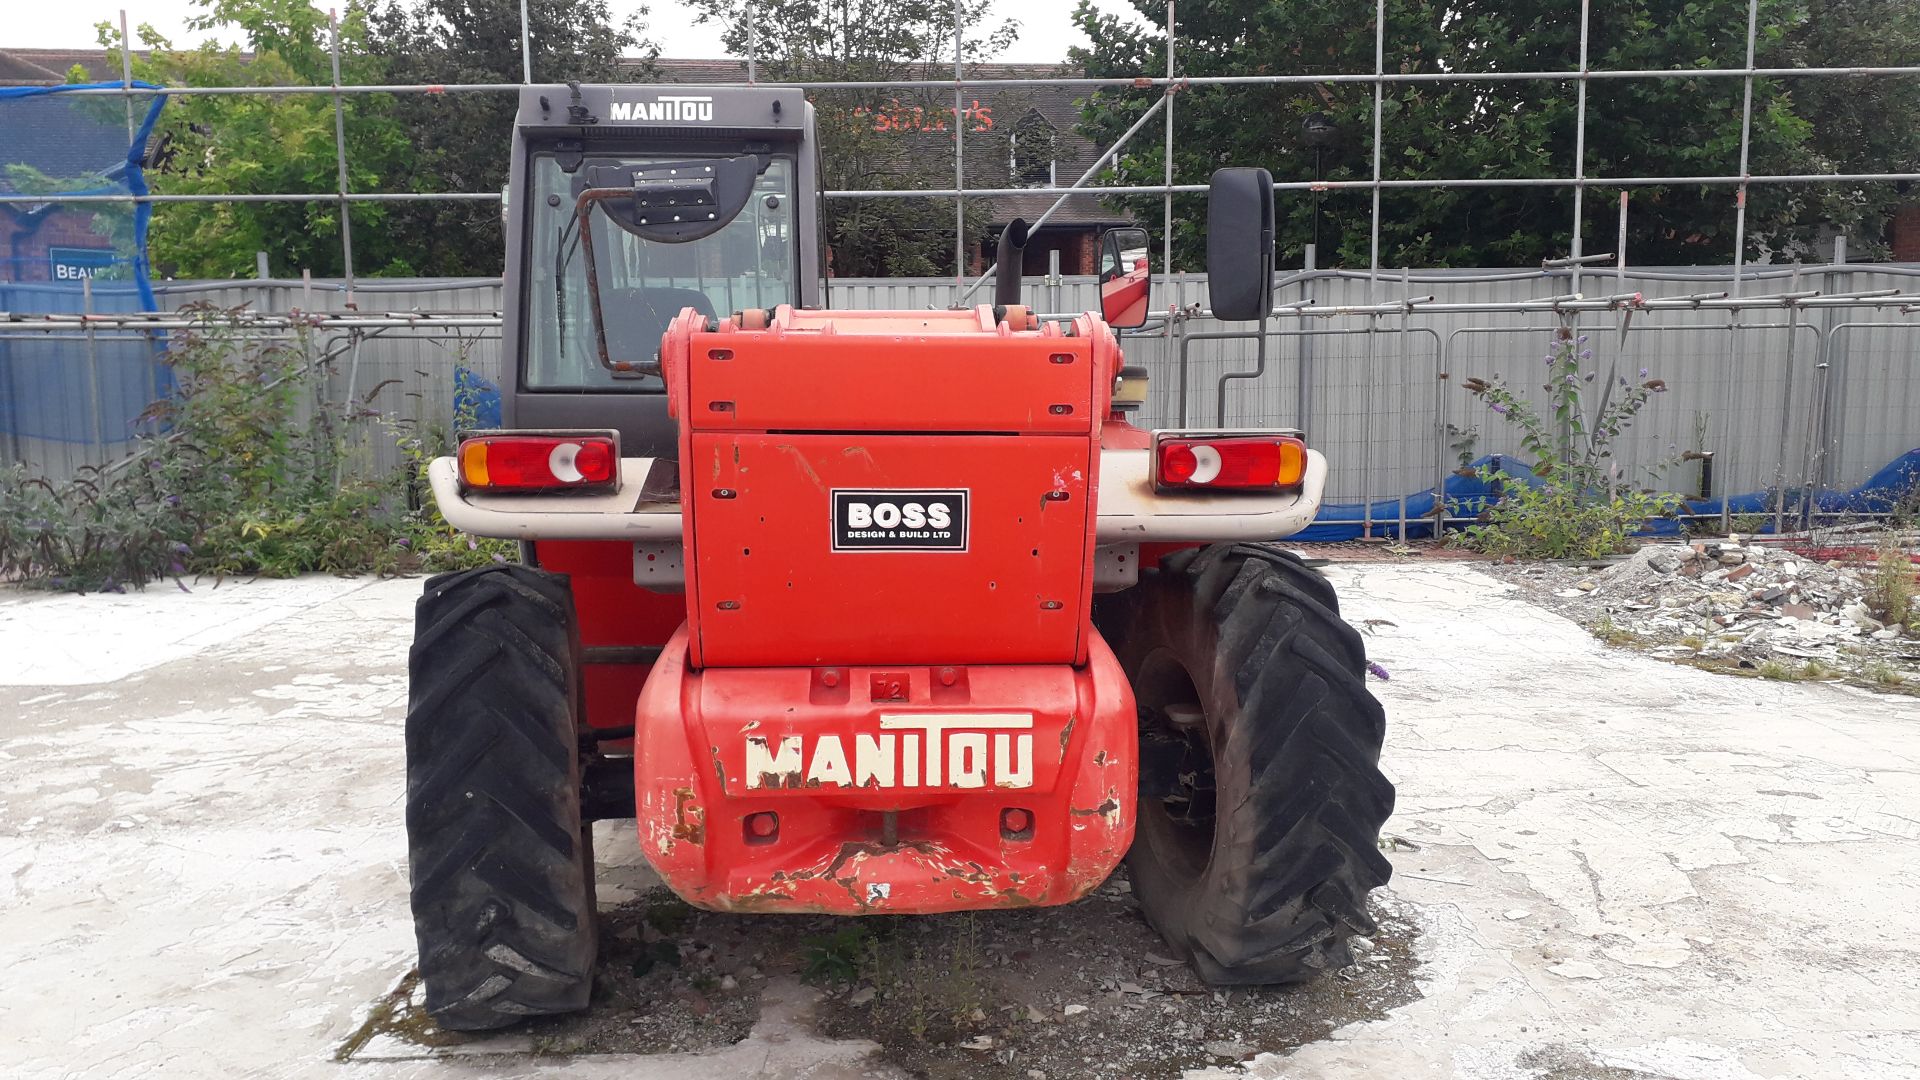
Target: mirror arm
[(1259, 369)]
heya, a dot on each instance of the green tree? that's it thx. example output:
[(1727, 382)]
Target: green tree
[(460, 141), (253, 144), (1457, 130), (871, 41), (1858, 124)]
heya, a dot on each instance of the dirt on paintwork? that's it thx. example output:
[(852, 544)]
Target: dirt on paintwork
[(1086, 990)]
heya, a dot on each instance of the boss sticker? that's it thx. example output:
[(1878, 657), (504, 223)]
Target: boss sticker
[(900, 519)]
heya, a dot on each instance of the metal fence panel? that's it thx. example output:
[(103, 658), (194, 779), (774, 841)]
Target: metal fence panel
[(1382, 394), (71, 399)]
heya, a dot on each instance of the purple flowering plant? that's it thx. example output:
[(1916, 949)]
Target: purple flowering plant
[(1581, 504)]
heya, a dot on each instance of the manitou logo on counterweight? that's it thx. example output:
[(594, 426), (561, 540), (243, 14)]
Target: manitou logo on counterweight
[(964, 750)]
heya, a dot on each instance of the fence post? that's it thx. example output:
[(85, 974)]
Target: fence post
[(526, 48), (1166, 200), (93, 369), (1834, 398), (1817, 424), (959, 151), (1580, 151), (1303, 411), (753, 59), (1786, 407), (126, 70), (1442, 347), (1737, 348), (1366, 430), (1406, 372), (1373, 261), (340, 161)]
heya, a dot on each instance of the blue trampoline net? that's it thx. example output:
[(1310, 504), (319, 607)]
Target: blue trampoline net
[(63, 255)]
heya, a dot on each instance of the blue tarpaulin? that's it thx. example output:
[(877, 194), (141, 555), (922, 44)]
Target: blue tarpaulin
[(61, 142), (1467, 495), (54, 251), (476, 401)]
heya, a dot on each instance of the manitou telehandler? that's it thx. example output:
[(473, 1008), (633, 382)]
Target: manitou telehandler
[(863, 612)]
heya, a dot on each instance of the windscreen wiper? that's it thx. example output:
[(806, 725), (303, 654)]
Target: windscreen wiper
[(560, 260)]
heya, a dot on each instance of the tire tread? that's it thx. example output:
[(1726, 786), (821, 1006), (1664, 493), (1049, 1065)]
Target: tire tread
[(501, 869), (1295, 850)]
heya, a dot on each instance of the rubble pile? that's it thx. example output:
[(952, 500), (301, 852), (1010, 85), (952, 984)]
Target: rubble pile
[(1728, 598)]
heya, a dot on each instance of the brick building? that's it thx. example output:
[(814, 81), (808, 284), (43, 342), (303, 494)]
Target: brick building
[(62, 138), (1903, 233)]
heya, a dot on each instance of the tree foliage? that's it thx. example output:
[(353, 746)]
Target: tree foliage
[(460, 141), (871, 41), (250, 144), (263, 144), (1515, 129)]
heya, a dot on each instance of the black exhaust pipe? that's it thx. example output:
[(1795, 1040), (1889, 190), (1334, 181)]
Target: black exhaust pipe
[(1008, 261)]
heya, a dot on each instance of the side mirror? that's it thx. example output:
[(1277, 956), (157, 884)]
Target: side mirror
[(1240, 244), (1126, 277)]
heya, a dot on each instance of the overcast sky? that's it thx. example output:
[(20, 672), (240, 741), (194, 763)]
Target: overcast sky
[(1046, 28)]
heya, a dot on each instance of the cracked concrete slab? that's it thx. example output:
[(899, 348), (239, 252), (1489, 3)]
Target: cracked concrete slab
[(1716, 873), (1620, 868)]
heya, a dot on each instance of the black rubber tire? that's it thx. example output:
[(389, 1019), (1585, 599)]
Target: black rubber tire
[(501, 863), (1268, 886)]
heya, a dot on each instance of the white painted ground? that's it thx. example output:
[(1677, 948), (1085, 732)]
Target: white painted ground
[(1617, 863)]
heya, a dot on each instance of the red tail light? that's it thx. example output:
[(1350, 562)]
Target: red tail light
[(1193, 462), (549, 461)]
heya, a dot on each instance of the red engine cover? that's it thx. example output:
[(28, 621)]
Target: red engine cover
[(1013, 591), (906, 487)]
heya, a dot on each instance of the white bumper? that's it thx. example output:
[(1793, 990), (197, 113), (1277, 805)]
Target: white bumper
[(1130, 511)]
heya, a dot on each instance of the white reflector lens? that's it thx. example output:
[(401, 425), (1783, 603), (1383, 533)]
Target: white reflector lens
[(564, 465), (1206, 464)]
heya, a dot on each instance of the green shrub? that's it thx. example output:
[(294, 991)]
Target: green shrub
[(1558, 521), (1583, 505), (237, 477), (834, 958), (1890, 591)]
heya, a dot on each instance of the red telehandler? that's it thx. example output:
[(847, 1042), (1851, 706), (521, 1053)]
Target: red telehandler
[(860, 612)]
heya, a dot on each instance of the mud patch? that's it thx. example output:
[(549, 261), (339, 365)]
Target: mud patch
[(1561, 1062), (670, 979), (1085, 990)]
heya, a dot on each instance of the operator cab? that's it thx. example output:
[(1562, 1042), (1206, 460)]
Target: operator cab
[(641, 201)]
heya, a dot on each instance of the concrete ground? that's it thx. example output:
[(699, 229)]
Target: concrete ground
[(1620, 868)]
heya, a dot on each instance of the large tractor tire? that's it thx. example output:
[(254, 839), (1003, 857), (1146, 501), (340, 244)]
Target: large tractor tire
[(1262, 798), (502, 864)]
